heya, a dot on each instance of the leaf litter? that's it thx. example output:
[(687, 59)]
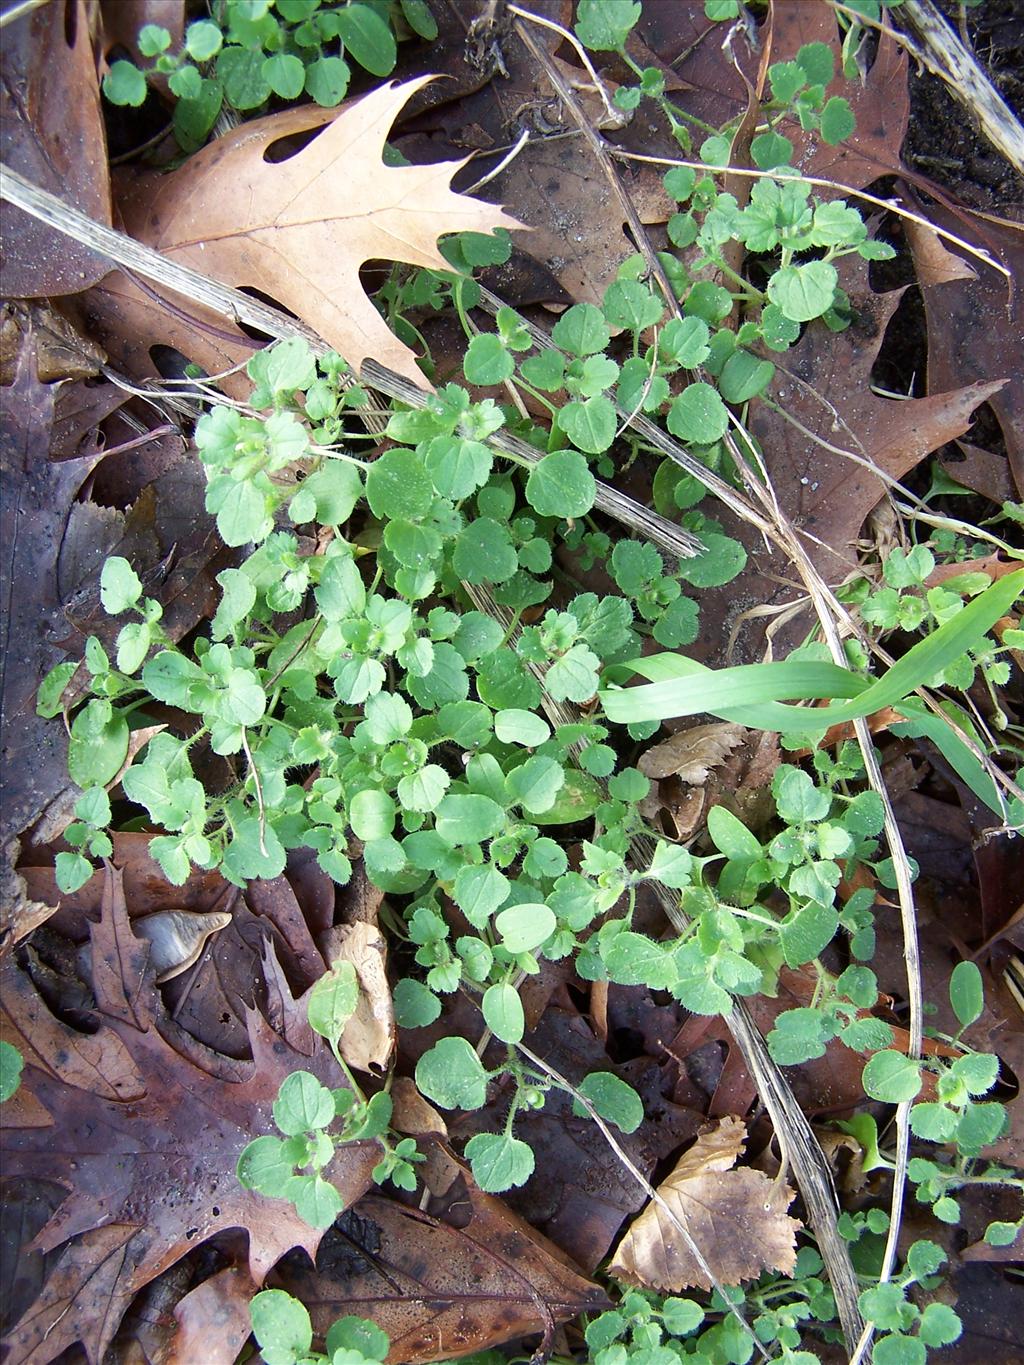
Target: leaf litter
[(467, 1271)]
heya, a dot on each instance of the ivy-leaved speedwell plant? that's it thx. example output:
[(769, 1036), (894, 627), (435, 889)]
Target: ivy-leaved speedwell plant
[(362, 705)]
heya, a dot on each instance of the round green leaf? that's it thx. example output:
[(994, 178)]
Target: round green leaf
[(398, 485), (561, 485), (302, 1104), (614, 1100), (590, 425), (891, 1077), (285, 75), (499, 1161), (804, 292), (698, 415), (452, 1075), (282, 1327), (367, 38), (525, 927), (124, 83), (487, 361), (11, 1063), (327, 81), (333, 1001)]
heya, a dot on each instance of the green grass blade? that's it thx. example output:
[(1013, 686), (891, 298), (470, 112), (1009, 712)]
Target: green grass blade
[(922, 722), (753, 694)]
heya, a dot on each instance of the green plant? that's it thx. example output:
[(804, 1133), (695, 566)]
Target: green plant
[(251, 51), (290, 1167), (284, 1333), (383, 650), (11, 1064)]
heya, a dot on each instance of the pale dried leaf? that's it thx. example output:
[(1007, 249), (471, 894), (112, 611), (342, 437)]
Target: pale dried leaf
[(933, 263), (737, 1218), (691, 754), (369, 1036), (299, 230)]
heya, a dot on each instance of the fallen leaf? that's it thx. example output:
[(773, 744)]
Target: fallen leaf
[(580, 1193), (438, 1290), (413, 1115), (299, 230), (934, 263), (369, 1037), (737, 1218), (691, 754), (52, 133), (824, 382), (161, 1166), (213, 1322), (961, 351), (879, 100), (36, 497)]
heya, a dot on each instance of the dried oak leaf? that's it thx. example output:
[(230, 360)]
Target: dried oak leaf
[(159, 1165), (440, 1289), (691, 754), (299, 229), (737, 1218)]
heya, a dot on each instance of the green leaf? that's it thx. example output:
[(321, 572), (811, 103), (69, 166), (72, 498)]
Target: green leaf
[(698, 415), (11, 1064), (398, 485), (468, 819), (672, 865), (281, 1326), (684, 342), (804, 292), (458, 467), (285, 75), (499, 1161), (195, 115), (120, 586), (423, 790), (561, 485), (124, 84), (573, 677), (51, 689), (604, 25), (721, 560), (966, 993), (484, 552), (939, 1325), (798, 1036), (340, 594), (359, 1335), (503, 1012), (525, 927), (240, 71), (487, 361), (241, 510), (316, 1201), (333, 1001), (452, 1075), (479, 891), (415, 1005), (683, 1316), (371, 814), (635, 960), (419, 18), (98, 745), (327, 81), (613, 1099), (302, 1104), (367, 38), (892, 1077), (535, 784), (581, 330), (731, 836), (743, 376), (630, 304), (515, 726), (590, 425), (203, 40), (770, 150), (837, 120), (808, 933), (749, 694)]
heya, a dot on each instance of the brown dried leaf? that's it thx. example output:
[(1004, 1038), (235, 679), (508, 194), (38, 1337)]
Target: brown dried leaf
[(440, 1291), (300, 229), (933, 263), (737, 1218), (369, 1037), (691, 754), (160, 1166), (213, 1322), (52, 133)]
